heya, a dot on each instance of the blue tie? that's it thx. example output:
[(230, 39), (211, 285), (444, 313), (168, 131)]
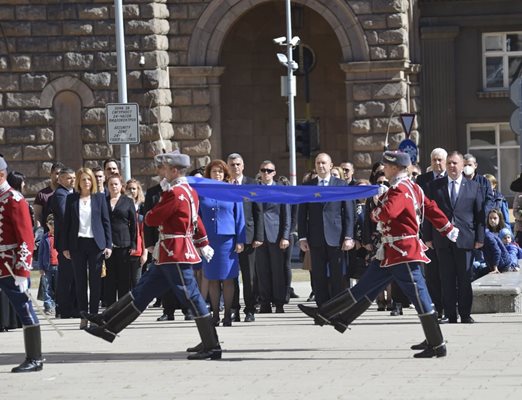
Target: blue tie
[(453, 197)]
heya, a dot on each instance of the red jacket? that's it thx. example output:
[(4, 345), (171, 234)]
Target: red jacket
[(399, 215), (16, 233), (176, 216)]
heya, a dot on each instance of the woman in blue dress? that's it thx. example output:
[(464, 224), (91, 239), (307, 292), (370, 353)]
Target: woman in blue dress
[(225, 225)]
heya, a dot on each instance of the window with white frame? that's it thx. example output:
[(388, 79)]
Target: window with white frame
[(496, 149), (502, 59)]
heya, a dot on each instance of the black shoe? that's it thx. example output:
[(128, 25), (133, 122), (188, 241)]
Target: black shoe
[(431, 352), (293, 294), (280, 310), (214, 354), (189, 315), (311, 297), (227, 321), (448, 320), (235, 316), (196, 349), (381, 305), (249, 317), (29, 366), (157, 304), (397, 310), (83, 323), (467, 320), (421, 346), (166, 317)]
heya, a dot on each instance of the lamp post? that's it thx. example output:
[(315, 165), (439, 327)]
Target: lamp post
[(122, 81)]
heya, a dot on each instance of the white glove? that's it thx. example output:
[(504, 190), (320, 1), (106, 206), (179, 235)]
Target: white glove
[(22, 283), (382, 189), (453, 234), (207, 252)]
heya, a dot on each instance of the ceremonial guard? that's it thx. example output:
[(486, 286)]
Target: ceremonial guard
[(16, 249), (180, 233), (399, 213)]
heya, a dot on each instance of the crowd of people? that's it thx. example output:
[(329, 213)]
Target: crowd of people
[(94, 242)]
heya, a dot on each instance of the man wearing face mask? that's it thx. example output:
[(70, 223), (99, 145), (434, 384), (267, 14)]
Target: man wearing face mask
[(470, 172)]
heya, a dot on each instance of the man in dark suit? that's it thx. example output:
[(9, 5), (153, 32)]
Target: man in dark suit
[(326, 229), (270, 266), (431, 271), (462, 202), (254, 238), (65, 291), (470, 172)]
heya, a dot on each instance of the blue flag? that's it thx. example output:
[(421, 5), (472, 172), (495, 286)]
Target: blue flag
[(278, 193)]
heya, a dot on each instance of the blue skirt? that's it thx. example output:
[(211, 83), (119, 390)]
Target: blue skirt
[(225, 263)]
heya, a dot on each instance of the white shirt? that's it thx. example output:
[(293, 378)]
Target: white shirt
[(458, 182), (326, 180), (85, 229)]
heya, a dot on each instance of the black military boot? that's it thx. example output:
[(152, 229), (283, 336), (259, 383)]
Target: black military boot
[(116, 324), (111, 311), (33, 350), (326, 312), (435, 345), (344, 320), (210, 343)]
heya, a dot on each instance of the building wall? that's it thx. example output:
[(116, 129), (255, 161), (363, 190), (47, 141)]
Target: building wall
[(61, 46)]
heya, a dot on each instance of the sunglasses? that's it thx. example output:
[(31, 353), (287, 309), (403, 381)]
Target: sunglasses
[(267, 170), (346, 169)]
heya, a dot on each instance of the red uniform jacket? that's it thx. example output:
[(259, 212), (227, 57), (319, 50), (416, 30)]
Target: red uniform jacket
[(399, 215), (16, 233), (176, 216)]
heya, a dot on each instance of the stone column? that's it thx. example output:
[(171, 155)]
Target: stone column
[(438, 74), (196, 110), (376, 93)]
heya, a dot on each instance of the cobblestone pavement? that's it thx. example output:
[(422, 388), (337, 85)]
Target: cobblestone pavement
[(279, 356)]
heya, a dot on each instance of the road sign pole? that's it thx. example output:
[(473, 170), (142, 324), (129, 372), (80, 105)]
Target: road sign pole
[(122, 81)]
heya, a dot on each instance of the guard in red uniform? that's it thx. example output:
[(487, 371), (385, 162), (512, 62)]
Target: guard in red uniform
[(182, 238), (399, 214), (16, 249)]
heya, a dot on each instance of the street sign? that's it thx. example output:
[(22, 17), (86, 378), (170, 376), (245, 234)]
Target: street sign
[(409, 147), (407, 123), (122, 123)]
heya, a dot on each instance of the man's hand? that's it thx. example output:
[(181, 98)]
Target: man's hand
[(107, 253), (22, 282), (283, 244), (348, 244), (240, 247), (478, 245), (67, 254), (429, 243), (256, 243)]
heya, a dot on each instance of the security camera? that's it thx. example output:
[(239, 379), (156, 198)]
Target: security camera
[(280, 40), (295, 41), (142, 60)]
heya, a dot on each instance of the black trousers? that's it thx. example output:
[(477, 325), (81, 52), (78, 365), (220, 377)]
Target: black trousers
[(271, 274), (171, 303), (247, 262), (118, 281), (455, 273), (66, 304), (327, 272), (87, 261)]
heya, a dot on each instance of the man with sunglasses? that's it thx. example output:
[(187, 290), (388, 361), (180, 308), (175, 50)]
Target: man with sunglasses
[(270, 266), (348, 170)]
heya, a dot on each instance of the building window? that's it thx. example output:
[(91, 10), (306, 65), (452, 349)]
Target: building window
[(502, 61), (496, 149)]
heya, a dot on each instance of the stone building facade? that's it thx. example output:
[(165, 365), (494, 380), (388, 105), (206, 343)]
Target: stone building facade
[(208, 80)]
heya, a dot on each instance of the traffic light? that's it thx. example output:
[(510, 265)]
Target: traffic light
[(302, 138)]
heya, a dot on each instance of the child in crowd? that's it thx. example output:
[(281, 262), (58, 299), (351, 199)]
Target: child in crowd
[(48, 266), (513, 248)]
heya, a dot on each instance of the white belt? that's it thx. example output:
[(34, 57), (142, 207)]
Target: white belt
[(5, 247), (163, 236), (390, 241)]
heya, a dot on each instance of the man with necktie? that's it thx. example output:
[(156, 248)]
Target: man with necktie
[(431, 271), (326, 230), (462, 201)]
